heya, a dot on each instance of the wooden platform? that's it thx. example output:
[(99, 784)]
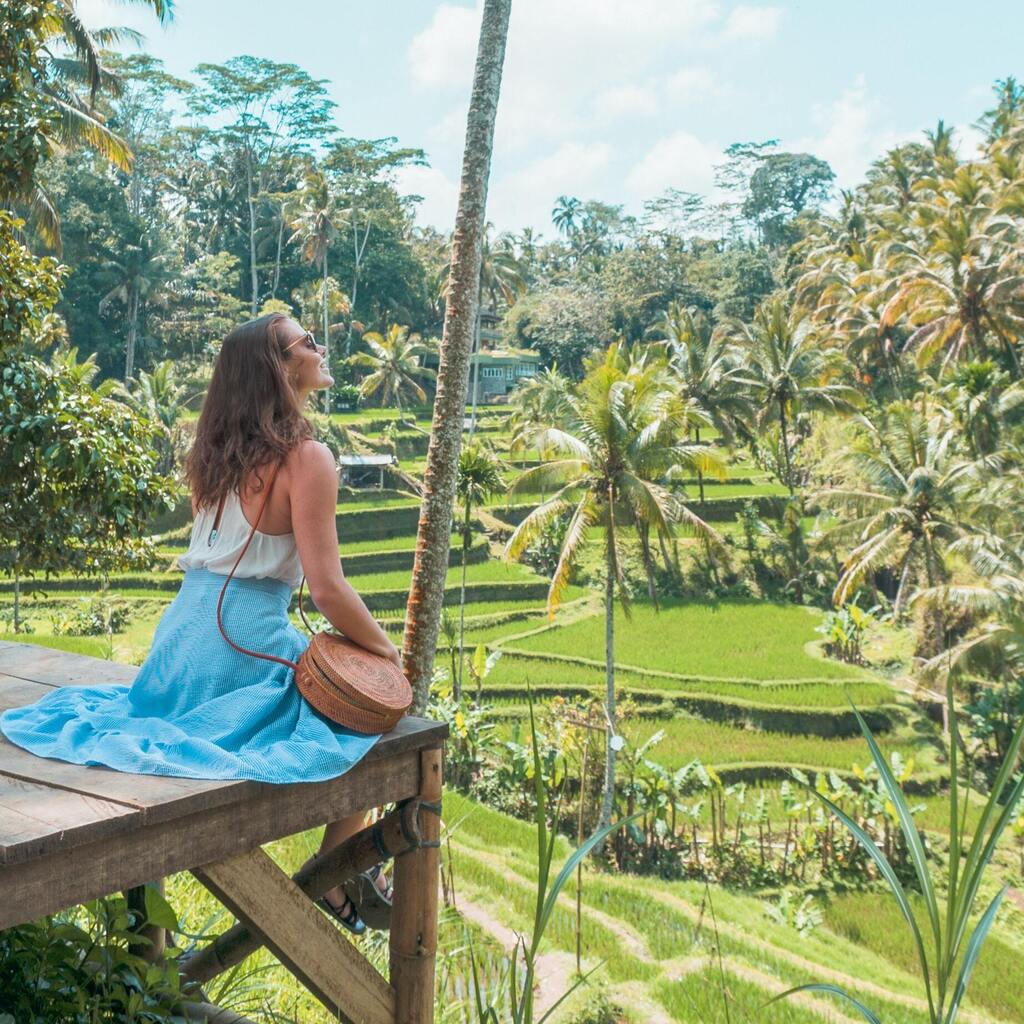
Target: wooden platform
[(70, 833)]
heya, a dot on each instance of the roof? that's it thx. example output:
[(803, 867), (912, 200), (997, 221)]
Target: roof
[(366, 460), (506, 355)]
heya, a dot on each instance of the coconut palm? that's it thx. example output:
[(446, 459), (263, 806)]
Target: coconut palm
[(433, 538), (311, 218), (789, 371), (706, 368), (73, 62), (543, 399), (139, 274), (960, 281), (479, 478), (616, 441), (161, 398), (566, 215), (394, 363), (901, 504)]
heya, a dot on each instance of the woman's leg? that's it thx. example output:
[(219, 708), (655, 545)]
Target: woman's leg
[(335, 833)]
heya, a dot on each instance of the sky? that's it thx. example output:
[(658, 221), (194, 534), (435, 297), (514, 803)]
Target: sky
[(617, 100)]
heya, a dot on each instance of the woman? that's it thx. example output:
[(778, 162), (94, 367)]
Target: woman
[(198, 708)]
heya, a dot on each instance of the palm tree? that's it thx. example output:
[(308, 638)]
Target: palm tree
[(73, 59), (705, 365), (311, 219), (789, 371), (960, 279), (566, 215), (900, 506), (543, 399), (479, 478), (426, 595), (161, 398), (394, 363), (138, 275), (617, 440)]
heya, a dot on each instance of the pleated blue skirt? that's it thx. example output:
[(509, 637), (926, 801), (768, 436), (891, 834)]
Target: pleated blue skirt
[(199, 709)]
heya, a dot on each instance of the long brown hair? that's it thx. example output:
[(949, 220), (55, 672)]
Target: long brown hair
[(251, 415)]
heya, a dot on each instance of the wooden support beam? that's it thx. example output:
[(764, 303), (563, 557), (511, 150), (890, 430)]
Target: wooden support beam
[(153, 950), (413, 943), (325, 871), (260, 894)]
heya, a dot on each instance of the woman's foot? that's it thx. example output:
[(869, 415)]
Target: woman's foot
[(345, 912), (371, 892)]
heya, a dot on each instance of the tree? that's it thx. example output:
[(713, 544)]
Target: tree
[(277, 110), (161, 398), (312, 221), (426, 595), (29, 287), (479, 478), (789, 371), (77, 479), (707, 369), (618, 438), (783, 186), (138, 275), (394, 363), (900, 503)]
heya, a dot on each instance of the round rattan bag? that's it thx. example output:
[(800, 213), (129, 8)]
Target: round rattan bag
[(346, 683)]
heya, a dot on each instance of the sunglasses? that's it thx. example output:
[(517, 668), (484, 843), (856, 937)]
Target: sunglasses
[(307, 338)]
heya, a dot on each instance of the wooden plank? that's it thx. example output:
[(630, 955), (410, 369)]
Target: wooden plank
[(413, 939), (35, 818), (262, 896), (60, 668), (160, 797), (71, 874)]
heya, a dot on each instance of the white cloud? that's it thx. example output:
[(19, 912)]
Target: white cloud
[(687, 85), (560, 57), (444, 53), (755, 23), (628, 100), (680, 160), (525, 196), (440, 194)]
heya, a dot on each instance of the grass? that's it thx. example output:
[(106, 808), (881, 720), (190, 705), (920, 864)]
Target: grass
[(737, 639), (874, 921), (491, 571), (93, 646), (515, 672)]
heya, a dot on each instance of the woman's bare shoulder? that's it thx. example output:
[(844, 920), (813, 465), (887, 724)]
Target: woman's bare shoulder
[(311, 456)]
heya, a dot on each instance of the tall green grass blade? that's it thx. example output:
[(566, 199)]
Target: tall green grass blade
[(833, 990), (894, 884), (910, 832), (974, 945), (581, 980), (577, 855), (982, 849)]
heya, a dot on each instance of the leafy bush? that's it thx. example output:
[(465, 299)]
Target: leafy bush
[(55, 970), (96, 616)]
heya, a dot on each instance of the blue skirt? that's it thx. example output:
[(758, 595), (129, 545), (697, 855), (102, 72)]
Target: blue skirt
[(199, 709)]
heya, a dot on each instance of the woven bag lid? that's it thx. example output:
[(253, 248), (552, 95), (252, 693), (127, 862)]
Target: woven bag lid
[(369, 680)]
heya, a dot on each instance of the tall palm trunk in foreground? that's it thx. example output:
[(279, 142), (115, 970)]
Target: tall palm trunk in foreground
[(426, 594)]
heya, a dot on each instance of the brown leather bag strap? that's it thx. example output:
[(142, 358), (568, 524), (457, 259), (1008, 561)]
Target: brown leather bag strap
[(223, 590)]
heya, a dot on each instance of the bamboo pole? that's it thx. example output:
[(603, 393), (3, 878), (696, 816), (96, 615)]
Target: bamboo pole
[(153, 950), (414, 916)]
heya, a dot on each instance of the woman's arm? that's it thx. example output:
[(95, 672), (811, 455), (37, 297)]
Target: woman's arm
[(314, 497)]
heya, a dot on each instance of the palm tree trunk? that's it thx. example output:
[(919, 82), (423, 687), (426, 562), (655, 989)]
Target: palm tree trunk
[(457, 684), (254, 284), (426, 595), (327, 339), (277, 256), (133, 330), (785, 447), (700, 475), (608, 797), (17, 599)]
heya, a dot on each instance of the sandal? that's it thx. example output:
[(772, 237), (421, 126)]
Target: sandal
[(349, 918), (373, 905)]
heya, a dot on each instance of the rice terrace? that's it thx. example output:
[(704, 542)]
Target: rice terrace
[(687, 493)]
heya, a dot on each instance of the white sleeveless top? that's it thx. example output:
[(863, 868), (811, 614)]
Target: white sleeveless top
[(273, 555)]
